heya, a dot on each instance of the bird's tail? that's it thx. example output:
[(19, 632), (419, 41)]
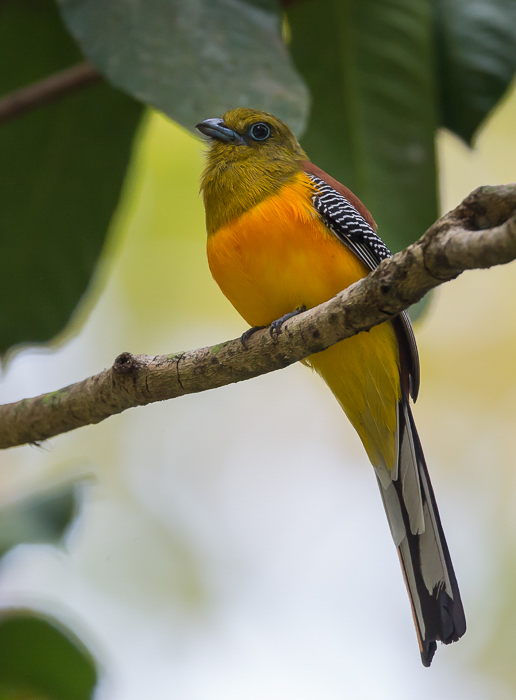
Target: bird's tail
[(414, 520)]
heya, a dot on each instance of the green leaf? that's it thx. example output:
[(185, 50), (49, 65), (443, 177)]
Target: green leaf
[(476, 58), (369, 67), (194, 59), (42, 518), (61, 172), (41, 658)]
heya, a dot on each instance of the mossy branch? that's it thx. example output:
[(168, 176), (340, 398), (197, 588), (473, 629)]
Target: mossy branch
[(479, 233)]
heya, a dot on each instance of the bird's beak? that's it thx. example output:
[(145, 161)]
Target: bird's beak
[(217, 129)]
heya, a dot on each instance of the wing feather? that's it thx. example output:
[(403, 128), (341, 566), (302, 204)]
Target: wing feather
[(355, 230)]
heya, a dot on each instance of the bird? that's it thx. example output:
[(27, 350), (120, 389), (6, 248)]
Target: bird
[(283, 237)]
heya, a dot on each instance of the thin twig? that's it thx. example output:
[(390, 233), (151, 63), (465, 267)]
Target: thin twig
[(479, 233), (26, 99)]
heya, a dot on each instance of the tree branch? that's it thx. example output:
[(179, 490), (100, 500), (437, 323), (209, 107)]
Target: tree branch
[(26, 99), (479, 233)]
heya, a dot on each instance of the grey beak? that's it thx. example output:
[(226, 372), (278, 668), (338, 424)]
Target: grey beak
[(217, 129)]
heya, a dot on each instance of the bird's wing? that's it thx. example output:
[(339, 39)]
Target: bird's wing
[(354, 226)]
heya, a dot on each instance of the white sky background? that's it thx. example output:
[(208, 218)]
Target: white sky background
[(233, 545)]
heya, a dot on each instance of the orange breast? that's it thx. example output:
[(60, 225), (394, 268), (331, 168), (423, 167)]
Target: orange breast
[(279, 256)]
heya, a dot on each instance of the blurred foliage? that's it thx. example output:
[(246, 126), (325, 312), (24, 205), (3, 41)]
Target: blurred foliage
[(42, 660), (39, 658), (369, 66), (61, 171), (41, 518), (383, 75), (476, 52), (195, 59)]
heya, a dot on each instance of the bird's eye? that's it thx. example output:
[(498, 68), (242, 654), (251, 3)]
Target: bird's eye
[(260, 131)]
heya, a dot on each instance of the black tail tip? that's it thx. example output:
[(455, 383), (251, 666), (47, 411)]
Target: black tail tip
[(427, 653)]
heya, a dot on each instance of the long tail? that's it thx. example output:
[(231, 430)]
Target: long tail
[(411, 508)]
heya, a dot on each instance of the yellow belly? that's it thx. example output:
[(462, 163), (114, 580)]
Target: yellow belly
[(279, 256)]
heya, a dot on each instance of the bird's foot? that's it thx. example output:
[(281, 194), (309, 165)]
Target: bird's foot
[(244, 338), (275, 327)]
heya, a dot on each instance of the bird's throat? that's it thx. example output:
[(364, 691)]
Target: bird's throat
[(231, 187)]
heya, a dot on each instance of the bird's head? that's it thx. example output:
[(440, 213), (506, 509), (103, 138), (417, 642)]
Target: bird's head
[(252, 154), (247, 134)]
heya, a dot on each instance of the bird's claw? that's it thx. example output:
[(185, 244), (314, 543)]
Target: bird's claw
[(244, 338), (275, 327)]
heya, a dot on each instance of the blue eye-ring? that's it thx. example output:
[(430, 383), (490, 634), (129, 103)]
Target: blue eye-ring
[(260, 131)]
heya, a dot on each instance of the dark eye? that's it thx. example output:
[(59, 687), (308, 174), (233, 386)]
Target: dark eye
[(260, 131)]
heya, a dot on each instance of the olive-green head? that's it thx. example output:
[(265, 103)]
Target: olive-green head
[(251, 155), (244, 134)]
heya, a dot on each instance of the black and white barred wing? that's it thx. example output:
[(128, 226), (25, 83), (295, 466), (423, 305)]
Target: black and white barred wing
[(350, 227)]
